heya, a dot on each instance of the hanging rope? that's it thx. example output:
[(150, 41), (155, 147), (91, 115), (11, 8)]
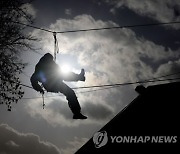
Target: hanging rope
[(43, 101), (56, 48)]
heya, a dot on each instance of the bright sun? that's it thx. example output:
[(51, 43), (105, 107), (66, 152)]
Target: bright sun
[(65, 68)]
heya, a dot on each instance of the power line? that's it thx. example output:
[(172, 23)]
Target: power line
[(32, 26), (26, 75), (130, 83), (122, 84), (108, 86), (103, 87), (60, 95), (113, 85), (25, 86), (119, 27), (102, 28)]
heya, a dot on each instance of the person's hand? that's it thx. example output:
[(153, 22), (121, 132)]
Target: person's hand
[(42, 91)]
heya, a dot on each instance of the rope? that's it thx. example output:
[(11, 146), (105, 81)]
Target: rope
[(155, 79), (56, 48), (32, 26), (43, 101), (119, 27), (116, 84), (123, 84), (103, 88), (103, 28)]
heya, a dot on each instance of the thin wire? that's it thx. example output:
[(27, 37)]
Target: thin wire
[(113, 85), (121, 84), (60, 95), (129, 83), (96, 29), (26, 86), (26, 75), (32, 26), (108, 87), (118, 27)]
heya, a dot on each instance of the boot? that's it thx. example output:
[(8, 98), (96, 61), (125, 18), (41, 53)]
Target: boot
[(82, 75), (79, 116)]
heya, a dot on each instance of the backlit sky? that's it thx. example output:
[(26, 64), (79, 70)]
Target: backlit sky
[(108, 56)]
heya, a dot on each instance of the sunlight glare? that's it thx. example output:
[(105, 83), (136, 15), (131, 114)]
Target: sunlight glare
[(65, 69)]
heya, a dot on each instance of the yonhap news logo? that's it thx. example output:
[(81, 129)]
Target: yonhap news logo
[(101, 139)]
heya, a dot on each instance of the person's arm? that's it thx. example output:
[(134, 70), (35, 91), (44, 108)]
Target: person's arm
[(34, 82)]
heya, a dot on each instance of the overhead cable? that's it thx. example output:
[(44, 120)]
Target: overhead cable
[(102, 28)]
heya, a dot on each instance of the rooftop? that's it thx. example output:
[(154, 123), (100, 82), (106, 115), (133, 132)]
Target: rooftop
[(153, 116)]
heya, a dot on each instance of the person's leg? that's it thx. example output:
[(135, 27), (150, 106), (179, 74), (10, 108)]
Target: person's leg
[(74, 77), (72, 100)]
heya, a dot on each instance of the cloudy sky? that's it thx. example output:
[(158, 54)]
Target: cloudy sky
[(108, 56)]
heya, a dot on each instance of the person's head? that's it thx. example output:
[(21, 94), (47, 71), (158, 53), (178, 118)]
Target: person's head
[(47, 57)]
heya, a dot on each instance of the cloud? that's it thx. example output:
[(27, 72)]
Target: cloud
[(14, 142), (74, 145), (57, 112), (97, 111), (171, 66), (108, 52), (108, 56), (162, 11)]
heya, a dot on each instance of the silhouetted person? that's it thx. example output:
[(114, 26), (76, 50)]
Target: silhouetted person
[(48, 73)]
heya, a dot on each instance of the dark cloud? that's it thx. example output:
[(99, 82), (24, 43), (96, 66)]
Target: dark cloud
[(163, 11), (60, 106), (97, 111), (14, 142)]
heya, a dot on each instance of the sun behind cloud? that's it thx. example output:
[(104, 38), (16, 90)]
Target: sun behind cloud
[(65, 68)]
